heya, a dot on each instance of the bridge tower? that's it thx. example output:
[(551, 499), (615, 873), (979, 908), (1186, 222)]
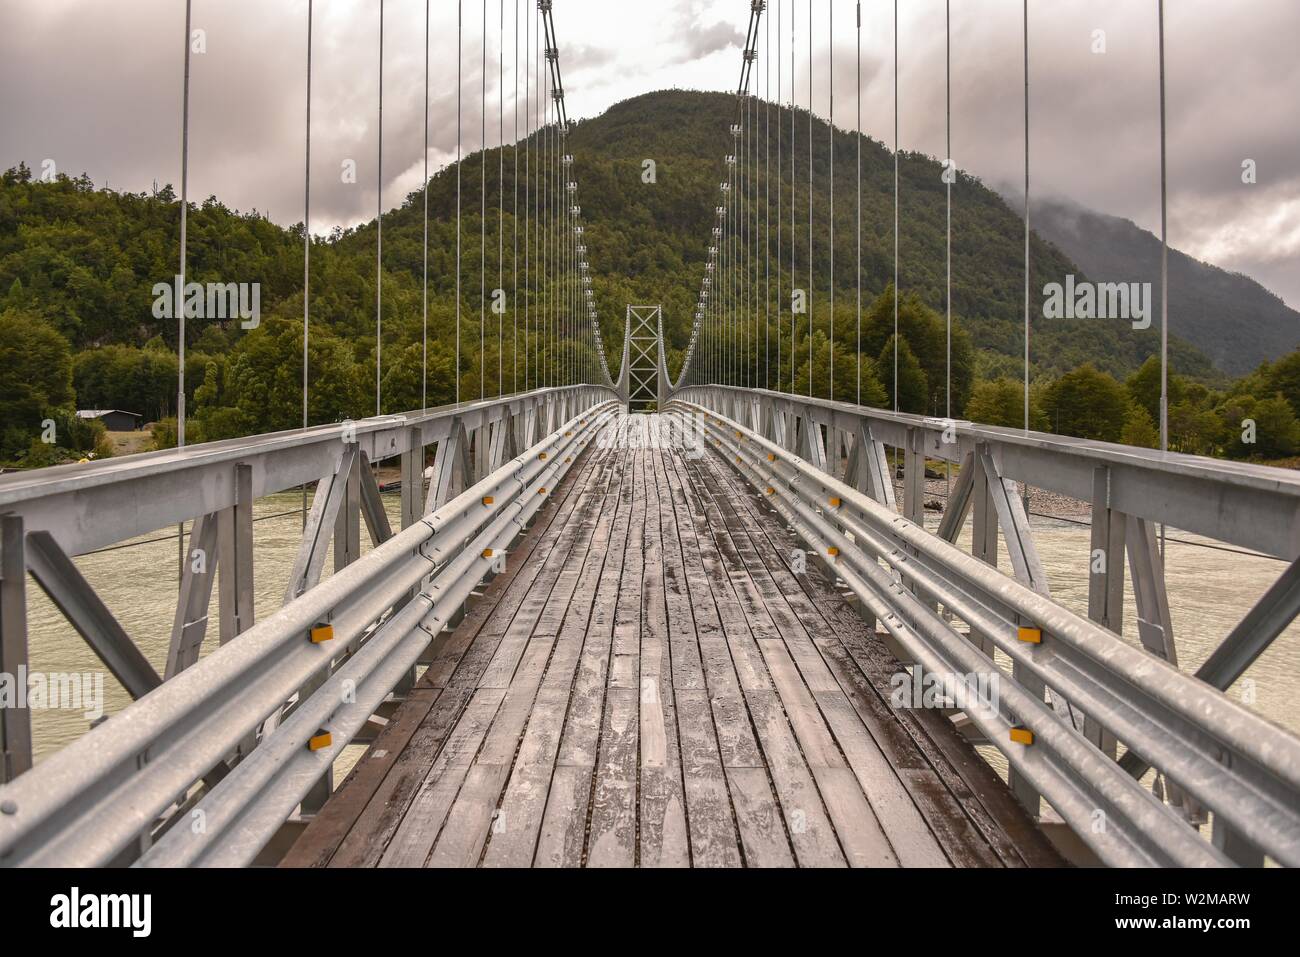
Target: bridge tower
[(642, 382)]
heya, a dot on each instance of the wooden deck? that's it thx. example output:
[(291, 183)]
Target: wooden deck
[(650, 684)]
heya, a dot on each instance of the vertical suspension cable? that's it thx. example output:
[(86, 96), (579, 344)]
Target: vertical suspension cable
[(514, 224), (1164, 256), (895, 205), (528, 176), (460, 22), (794, 319), (379, 226), (482, 217), (755, 206), (501, 186), (306, 240), (742, 212), (424, 308), (1164, 264), (948, 235), (1026, 45), (780, 190), (178, 300), (858, 230), (767, 206), (830, 122), (810, 199), (306, 246)]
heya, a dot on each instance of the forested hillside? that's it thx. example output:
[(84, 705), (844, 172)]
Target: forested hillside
[(1233, 319), (78, 265)]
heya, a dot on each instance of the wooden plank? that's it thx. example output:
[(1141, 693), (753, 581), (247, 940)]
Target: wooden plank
[(384, 781), (895, 809), (950, 781), (563, 837), (520, 675), (612, 828), (470, 648), (424, 817), (762, 831), (514, 836), (662, 835)]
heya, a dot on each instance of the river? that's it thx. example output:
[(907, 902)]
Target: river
[(1210, 590)]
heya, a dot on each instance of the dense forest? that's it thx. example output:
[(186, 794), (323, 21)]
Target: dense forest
[(78, 266), (1204, 300)]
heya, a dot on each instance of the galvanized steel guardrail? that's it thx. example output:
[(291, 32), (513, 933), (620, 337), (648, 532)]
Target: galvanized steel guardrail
[(1244, 769), (356, 635)]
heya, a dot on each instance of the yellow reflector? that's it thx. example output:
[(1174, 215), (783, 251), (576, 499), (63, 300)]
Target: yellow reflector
[(1022, 735), (832, 551), (542, 456), (322, 632), (319, 741), (835, 503), (1032, 635), (488, 500), (771, 457), (487, 553)]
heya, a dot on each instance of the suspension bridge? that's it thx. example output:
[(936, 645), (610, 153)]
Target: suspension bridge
[(652, 619)]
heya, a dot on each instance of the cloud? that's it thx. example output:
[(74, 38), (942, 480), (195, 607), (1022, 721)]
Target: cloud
[(97, 87)]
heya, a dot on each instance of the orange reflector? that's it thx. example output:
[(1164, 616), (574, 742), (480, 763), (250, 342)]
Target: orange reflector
[(487, 553), (322, 632), (567, 434), (739, 435), (832, 551), (771, 457), (542, 490), (488, 500), (542, 456), (319, 741), (1032, 635), (1022, 735), (770, 490), (835, 503)]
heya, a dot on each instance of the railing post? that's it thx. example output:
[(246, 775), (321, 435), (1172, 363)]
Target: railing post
[(1105, 582), (347, 523), (412, 478), (15, 722), (914, 477)]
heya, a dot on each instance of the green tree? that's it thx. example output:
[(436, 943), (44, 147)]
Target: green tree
[(1139, 428), (36, 381), (1002, 402), (846, 370), (913, 388), (1283, 377), (1144, 387), (1087, 404)]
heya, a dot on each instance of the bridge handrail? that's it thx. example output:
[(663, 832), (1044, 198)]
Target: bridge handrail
[(1241, 503), (80, 505), (87, 803), (1234, 762)]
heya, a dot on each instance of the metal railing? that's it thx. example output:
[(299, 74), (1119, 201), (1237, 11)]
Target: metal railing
[(1216, 754), (132, 784)]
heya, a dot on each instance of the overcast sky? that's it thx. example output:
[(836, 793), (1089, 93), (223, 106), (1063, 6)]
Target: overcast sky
[(95, 85)]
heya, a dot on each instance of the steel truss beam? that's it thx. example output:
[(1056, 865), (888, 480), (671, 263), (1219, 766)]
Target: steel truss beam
[(992, 460)]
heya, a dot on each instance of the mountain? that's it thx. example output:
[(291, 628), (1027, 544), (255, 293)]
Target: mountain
[(1230, 317), (83, 262)]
